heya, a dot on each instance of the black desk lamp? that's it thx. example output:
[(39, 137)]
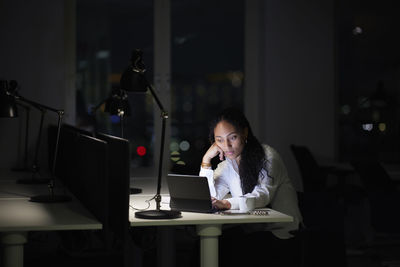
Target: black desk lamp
[(8, 98), (10, 110), (117, 104), (134, 80)]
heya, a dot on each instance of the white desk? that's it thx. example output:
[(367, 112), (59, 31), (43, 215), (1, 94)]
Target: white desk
[(18, 216), (208, 225)]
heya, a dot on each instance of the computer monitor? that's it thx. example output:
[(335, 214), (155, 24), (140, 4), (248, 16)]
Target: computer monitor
[(82, 167), (97, 171), (118, 190), (66, 150), (78, 129), (92, 171)]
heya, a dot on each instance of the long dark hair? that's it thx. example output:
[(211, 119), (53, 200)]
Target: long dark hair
[(252, 160)]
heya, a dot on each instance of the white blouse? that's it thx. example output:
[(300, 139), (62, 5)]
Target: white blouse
[(274, 189)]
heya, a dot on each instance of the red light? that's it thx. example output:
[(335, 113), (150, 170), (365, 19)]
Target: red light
[(141, 151)]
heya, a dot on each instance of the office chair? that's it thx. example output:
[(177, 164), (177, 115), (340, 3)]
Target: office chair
[(324, 208), (315, 176)]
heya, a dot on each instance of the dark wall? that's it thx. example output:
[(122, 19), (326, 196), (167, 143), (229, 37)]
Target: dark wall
[(33, 53)]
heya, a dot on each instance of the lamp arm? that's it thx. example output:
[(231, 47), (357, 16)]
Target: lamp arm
[(36, 105), (164, 116), (158, 196), (35, 161), (53, 168), (60, 114), (153, 93)]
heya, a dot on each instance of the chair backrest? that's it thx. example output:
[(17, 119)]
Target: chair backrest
[(312, 176)]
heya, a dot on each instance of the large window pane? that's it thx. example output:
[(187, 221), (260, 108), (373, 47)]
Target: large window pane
[(107, 32), (207, 73), (368, 79)]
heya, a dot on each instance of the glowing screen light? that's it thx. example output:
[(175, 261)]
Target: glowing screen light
[(141, 151)]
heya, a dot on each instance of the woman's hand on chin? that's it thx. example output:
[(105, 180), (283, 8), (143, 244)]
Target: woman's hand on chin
[(212, 152)]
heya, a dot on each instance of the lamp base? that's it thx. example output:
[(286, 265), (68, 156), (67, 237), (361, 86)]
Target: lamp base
[(50, 198), (158, 214), (134, 190)]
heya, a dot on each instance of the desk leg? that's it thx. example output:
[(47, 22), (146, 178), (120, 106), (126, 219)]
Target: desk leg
[(209, 244), (13, 249), (166, 246)]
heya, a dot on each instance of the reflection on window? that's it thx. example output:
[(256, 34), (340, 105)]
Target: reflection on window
[(207, 73), (368, 79), (107, 32)]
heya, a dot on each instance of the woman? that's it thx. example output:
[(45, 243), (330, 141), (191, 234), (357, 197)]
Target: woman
[(248, 168)]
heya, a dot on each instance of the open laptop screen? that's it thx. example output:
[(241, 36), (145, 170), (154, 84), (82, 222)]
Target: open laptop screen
[(189, 193)]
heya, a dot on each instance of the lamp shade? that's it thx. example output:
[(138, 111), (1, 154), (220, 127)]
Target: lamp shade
[(117, 102), (8, 107), (133, 78)]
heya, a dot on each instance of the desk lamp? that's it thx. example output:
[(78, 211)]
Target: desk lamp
[(10, 110), (117, 104), (134, 80), (8, 98)]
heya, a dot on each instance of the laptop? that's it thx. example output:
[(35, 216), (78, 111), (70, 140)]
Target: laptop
[(189, 193)]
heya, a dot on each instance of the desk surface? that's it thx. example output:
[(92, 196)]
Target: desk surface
[(20, 214), (194, 218), (17, 213)]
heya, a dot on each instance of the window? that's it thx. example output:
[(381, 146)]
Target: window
[(207, 70), (207, 73), (368, 58), (107, 32)]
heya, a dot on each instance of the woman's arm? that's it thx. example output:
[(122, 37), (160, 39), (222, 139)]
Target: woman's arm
[(206, 170)]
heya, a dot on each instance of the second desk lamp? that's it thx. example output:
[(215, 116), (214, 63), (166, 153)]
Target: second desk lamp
[(133, 80), (117, 104)]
